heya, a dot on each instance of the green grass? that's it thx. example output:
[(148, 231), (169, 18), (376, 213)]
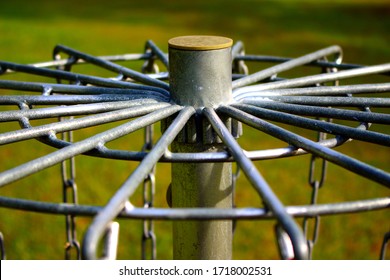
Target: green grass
[(28, 33)]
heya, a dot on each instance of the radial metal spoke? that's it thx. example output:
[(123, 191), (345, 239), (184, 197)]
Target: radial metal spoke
[(111, 66), (71, 100), (79, 123), (333, 101), (318, 91), (261, 75), (261, 186), (317, 125), (118, 200), (88, 144), (342, 160), (76, 78), (73, 110), (278, 59), (315, 79), (324, 112), (65, 62), (48, 88)]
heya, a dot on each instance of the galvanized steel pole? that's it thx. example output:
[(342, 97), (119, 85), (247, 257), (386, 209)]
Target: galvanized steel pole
[(200, 76)]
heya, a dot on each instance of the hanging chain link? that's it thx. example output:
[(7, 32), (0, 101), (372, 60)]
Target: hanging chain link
[(149, 184), (149, 188), (68, 176), (317, 174), (316, 181), (68, 172)]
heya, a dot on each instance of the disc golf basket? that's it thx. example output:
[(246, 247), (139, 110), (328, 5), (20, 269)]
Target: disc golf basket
[(204, 101)]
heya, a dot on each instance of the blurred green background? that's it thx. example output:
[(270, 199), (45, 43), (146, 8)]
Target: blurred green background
[(30, 30)]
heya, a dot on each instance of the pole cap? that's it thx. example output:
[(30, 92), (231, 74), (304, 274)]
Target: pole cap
[(200, 43)]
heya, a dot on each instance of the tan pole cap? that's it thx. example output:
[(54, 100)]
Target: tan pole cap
[(200, 43)]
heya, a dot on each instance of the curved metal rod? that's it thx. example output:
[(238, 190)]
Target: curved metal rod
[(266, 73), (271, 201), (168, 156), (77, 78), (158, 52), (318, 91), (29, 132), (340, 159), (324, 112), (111, 66), (118, 200), (315, 79), (317, 125), (237, 49), (85, 145), (171, 214)]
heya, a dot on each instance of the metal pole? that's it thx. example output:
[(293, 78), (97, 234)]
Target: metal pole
[(200, 76)]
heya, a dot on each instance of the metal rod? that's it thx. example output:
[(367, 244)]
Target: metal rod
[(77, 78), (158, 52), (73, 110), (90, 143), (261, 75), (327, 127), (111, 66), (270, 199), (237, 49), (111, 241), (74, 124), (334, 101), (71, 100), (315, 79), (198, 213), (118, 200), (200, 75), (203, 157), (145, 91), (65, 62), (222, 156), (318, 91), (317, 111), (278, 59), (340, 159)]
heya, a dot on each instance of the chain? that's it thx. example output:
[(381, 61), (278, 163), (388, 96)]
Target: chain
[(149, 188), (69, 189), (316, 181), (68, 175)]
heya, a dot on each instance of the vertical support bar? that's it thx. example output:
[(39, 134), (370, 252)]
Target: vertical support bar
[(200, 76)]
